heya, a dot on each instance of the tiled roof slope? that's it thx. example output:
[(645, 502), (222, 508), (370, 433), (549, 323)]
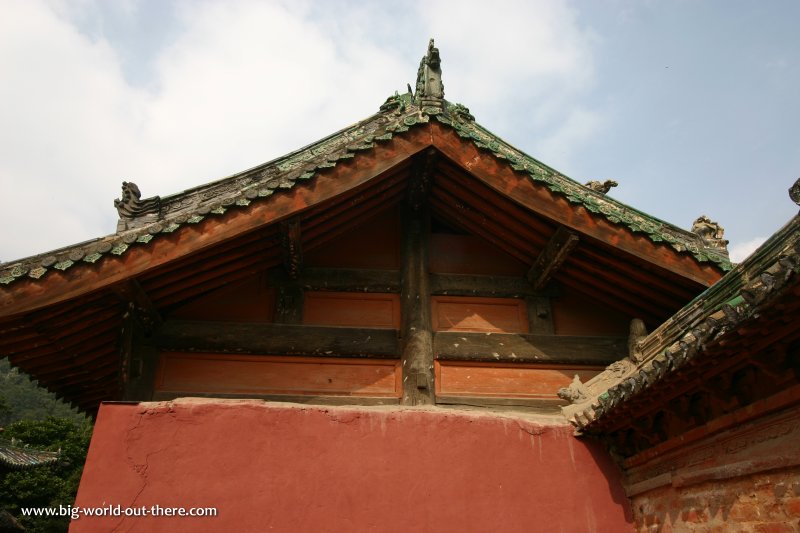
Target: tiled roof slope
[(148, 219), (739, 296), (15, 457)]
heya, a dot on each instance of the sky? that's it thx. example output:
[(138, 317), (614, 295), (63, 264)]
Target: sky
[(690, 105)]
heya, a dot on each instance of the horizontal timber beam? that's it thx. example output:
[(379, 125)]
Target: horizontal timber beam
[(488, 286), (388, 281), (524, 348), (294, 398), (341, 279), (540, 405), (277, 339)]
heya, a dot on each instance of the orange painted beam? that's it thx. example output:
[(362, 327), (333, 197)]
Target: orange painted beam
[(195, 373)]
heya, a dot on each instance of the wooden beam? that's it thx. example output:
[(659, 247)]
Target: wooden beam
[(524, 348), (132, 293), (340, 279), (388, 281), (139, 357), (473, 285), (540, 315), (293, 398), (541, 405), (277, 339), (552, 257), (415, 299)]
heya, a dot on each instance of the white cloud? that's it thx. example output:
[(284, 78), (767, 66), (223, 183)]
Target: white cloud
[(576, 128), (741, 251), (241, 83), (63, 107), (518, 61)]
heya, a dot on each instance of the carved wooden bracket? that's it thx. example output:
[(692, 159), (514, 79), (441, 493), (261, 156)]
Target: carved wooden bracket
[(147, 315), (552, 257)]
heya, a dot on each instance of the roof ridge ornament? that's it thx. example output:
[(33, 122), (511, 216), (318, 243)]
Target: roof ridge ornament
[(130, 206), (430, 89), (601, 186), (794, 192), (711, 233)]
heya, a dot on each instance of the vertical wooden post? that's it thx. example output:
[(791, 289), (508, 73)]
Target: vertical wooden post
[(138, 352), (289, 305), (290, 296), (540, 315), (139, 356), (415, 294)]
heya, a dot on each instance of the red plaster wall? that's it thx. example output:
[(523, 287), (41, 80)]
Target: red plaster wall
[(761, 503), (279, 467)]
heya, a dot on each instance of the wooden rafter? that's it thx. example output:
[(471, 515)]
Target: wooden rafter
[(552, 257)]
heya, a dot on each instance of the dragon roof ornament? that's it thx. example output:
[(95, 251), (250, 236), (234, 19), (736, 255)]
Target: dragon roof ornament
[(711, 233)]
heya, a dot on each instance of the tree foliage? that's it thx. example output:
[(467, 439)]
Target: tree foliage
[(35, 418), (50, 485), (21, 399)]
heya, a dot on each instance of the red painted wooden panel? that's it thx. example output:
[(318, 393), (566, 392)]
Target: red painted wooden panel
[(456, 378), (578, 314), (373, 244), (466, 313), (248, 301), (265, 374), (370, 310), (469, 254)]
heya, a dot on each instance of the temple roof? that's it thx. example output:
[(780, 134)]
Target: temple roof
[(16, 457), (145, 220), (61, 311)]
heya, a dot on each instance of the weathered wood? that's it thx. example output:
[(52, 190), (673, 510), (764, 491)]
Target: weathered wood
[(540, 315), (142, 357), (277, 339), (415, 301), (540, 405), (521, 348), (340, 279), (315, 400), (131, 291), (374, 280), (474, 285), (552, 257), (292, 247), (289, 304)]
